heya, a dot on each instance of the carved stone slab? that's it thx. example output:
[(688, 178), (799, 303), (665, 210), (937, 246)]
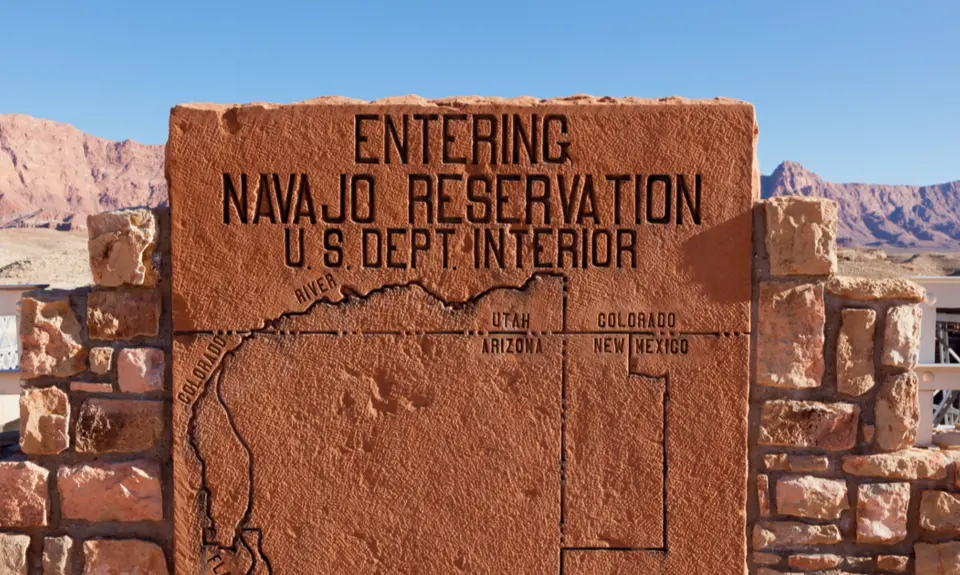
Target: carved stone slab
[(461, 336)]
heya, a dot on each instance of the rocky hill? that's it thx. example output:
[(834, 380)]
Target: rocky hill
[(53, 175), (915, 217)]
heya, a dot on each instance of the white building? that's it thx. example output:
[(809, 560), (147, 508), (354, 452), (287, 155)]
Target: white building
[(10, 353), (939, 365)]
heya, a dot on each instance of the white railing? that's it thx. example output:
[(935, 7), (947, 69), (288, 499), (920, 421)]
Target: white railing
[(934, 377), (943, 293)]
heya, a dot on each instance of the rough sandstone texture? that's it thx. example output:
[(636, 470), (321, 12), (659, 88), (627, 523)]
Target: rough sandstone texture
[(790, 335), (940, 512), (882, 512), (810, 562), (763, 494), (907, 465), (90, 387), (44, 421), (118, 315), (811, 497), (901, 336), (370, 421), (23, 495), (140, 370), (897, 412), (118, 425), (828, 426), (893, 563), (938, 559), (57, 556), (123, 557), (875, 289), (795, 463), (855, 369), (50, 339), (13, 554), (100, 360), (128, 491), (774, 534), (801, 236), (121, 245)]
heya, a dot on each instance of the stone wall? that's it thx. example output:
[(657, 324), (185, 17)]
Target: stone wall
[(836, 481), (836, 484), (93, 493)]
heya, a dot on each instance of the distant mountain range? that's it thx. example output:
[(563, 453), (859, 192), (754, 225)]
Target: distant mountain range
[(53, 175)]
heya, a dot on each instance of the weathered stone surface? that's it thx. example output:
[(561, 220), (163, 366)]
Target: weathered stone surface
[(140, 370), (859, 562), (761, 558), (897, 412), (44, 421), (119, 425), (855, 367), (875, 289), (121, 245), (91, 387), (56, 556), (869, 433), (23, 494), (123, 314), (123, 557), (13, 554), (829, 426), (50, 339), (893, 563), (882, 512), (801, 236), (791, 336), (763, 494), (766, 571), (814, 562), (795, 463), (909, 465), (128, 491), (775, 534), (811, 497), (940, 512), (942, 559), (901, 336), (368, 421), (100, 360)]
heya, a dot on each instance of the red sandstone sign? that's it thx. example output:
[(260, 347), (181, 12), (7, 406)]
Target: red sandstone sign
[(464, 336)]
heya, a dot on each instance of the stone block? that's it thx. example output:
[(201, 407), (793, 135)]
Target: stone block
[(940, 513), (13, 554), (100, 360), (859, 562), (50, 339), (809, 424), (907, 465), (123, 557), (814, 562), (875, 289), (23, 495), (882, 512), (56, 556), (775, 534), (44, 421), (791, 336), (141, 370), (90, 387), (119, 425), (121, 245), (897, 412), (123, 314), (763, 494), (940, 559), (811, 497), (901, 336), (128, 491), (801, 236), (795, 463), (855, 367), (893, 563), (761, 558)]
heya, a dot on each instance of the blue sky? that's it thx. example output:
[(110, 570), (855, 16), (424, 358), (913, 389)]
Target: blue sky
[(856, 90)]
